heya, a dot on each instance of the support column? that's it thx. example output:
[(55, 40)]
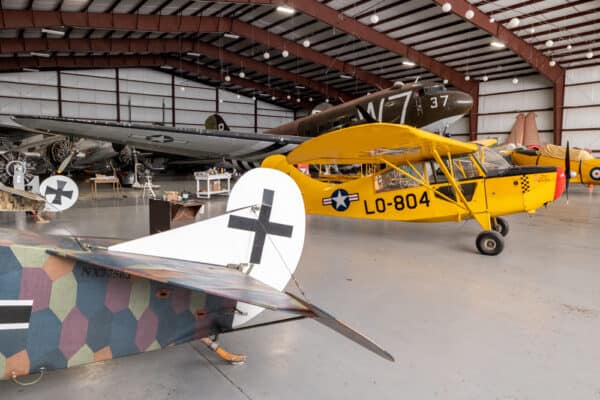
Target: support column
[(118, 94), (59, 93), (473, 115), (173, 99), (217, 100), (558, 95), (256, 116)]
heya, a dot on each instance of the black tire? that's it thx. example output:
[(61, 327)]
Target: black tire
[(490, 243), (500, 225)]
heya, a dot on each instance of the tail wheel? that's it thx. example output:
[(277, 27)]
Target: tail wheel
[(490, 243), (500, 225)]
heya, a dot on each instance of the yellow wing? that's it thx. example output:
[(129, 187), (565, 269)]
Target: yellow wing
[(370, 143)]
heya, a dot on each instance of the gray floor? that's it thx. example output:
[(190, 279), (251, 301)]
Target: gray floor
[(523, 325)]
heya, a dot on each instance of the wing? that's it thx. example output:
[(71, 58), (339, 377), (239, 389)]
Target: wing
[(219, 281), (370, 143), (194, 143)]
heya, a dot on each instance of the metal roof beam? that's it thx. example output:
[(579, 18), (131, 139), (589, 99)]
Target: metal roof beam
[(162, 46), (13, 19), (361, 31)]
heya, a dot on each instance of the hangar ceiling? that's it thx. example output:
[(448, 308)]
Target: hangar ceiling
[(333, 49)]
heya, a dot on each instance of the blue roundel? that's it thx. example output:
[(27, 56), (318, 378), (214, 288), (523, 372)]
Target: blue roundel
[(340, 200), (595, 173)]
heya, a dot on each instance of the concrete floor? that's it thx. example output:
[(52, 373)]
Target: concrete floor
[(522, 325)]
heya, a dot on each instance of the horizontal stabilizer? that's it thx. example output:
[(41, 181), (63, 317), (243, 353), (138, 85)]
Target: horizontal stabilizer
[(331, 322), (218, 281)]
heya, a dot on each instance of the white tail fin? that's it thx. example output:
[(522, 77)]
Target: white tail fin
[(264, 226)]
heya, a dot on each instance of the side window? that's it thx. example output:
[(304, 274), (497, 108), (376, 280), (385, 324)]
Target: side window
[(394, 180), (435, 173), (464, 168)]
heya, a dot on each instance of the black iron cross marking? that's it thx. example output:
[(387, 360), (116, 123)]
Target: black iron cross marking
[(59, 192), (261, 226)]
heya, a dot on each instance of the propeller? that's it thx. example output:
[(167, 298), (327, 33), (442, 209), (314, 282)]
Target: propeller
[(567, 170)]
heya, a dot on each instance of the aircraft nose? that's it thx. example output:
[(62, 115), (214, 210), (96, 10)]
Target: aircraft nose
[(463, 101)]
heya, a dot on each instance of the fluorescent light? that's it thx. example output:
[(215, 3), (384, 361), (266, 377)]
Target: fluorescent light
[(408, 63), (344, 76), (38, 54), (497, 44), (231, 35), (30, 69), (300, 87), (285, 10), (192, 54), (53, 32), (166, 67)]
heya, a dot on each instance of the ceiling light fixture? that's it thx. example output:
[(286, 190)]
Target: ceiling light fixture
[(485, 78), (253, 98), (532, 30), (445, 81), (242, 74), (514, 22), (298, 100), (266, 55), (589, 55), (285, 10), (26, 69), (227, 78), (238, 96), (492, 20), (45, 55), (469, 14), (53, 32), (515, 81), (310, 99), (552, 63), (374, 18), (408, 63), (344, 76), (285, 54), (549, 43), (306, 43), (446, 7), (467, 78), (231, 35), (192, 54), (569, 46), (273, 97), (288, 97), (497, 44)]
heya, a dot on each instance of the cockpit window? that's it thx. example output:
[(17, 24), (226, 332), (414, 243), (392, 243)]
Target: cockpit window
[(491, 160), (435, 89)]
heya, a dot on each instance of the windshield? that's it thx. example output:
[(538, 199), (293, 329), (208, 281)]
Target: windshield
[(491, 160)]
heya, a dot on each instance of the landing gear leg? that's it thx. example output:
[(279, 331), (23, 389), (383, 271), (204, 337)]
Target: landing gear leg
[(500, 225), (221, 352), (490, 243)]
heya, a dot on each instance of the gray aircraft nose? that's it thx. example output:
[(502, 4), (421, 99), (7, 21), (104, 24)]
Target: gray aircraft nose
[(462, 101)]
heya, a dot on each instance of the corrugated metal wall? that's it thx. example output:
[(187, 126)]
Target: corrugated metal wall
[(145, 96)]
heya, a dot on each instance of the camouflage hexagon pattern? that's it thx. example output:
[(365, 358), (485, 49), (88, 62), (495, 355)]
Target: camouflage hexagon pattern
[(82, 313)]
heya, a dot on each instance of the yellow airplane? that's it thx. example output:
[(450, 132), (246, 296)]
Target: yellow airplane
[(586, 168), (419, 177)]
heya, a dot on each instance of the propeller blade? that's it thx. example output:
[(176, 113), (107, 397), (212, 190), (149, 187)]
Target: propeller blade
[(567, 169)]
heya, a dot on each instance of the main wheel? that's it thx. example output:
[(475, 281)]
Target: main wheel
[(500, 225), (489, 243)]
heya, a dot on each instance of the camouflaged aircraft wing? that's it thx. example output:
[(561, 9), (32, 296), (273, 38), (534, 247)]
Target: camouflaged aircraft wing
[(216, 280)]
